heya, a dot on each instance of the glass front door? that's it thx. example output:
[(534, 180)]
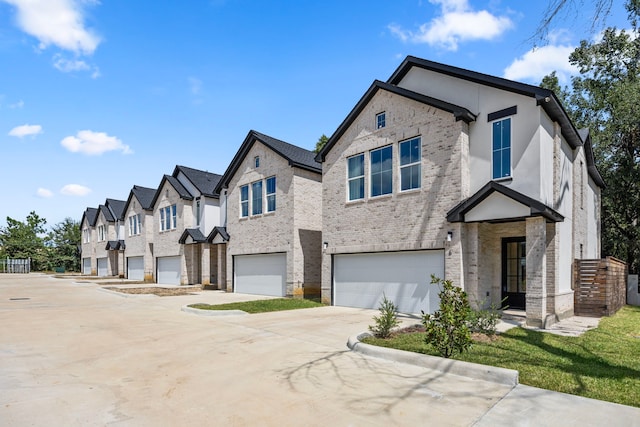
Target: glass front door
[(514, 272)]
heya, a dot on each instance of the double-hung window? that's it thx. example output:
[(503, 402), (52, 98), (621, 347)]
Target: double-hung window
[(501, 148), (356, 177), (410, 164), (381, 171), (381, 121), (256, 198), (168, 218), (86, 235), (271, 194), (134, 225), (101, 233), (244, 201)]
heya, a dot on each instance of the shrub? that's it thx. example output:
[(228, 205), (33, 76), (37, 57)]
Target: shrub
[(387, 320), (447, 329), (485, 320)]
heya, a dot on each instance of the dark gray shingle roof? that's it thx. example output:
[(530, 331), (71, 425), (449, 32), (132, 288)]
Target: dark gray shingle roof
[(205, 182), (144, 196), (296, 156), (107, 213), (117, 208), (91, 214), (194, 233), (182, 192)]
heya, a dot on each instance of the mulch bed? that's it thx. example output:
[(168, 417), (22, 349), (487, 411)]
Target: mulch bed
[(161, 292), (475, 336)]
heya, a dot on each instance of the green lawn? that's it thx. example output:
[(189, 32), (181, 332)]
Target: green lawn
[(262, 306), (603, 363)]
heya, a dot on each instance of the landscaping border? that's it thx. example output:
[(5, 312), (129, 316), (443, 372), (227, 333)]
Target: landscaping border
[(200, 312)]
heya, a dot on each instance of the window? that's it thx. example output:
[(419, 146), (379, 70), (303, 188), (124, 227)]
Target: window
[(134, 225), (410, 164), (86, 235), (356, 177), (501, 150), (271, 194), (168, 220), (256, 161), (198, 211), (244, 201), (256, 198), (381, 171), (101, 234), (380, 120)]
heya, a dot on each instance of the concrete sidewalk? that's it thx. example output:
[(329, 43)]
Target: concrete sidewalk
[(71, 355)]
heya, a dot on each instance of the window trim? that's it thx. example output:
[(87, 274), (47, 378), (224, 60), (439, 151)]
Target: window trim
[(390, 147), (410, 165), (254, 199), (244, 202), (381, 115), (101, 233), (256, 162), (502, 177), (135, 226), (168, 218), (271, 195), (357, 177)]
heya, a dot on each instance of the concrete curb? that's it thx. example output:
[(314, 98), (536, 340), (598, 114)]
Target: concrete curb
[(124, 295), (449, 366), (199, 312)]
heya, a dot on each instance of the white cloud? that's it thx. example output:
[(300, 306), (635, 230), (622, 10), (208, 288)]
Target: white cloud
[(75, 190), (538, 62), (25, 130), (70, 65), (17, 105), (457, 23), (44, 193), (195, 85), (94, 143), (56, 22)]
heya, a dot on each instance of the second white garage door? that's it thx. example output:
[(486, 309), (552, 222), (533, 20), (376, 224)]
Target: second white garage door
[(102, 267), (361, 280), (168, 270), (263, 274), (135, 268)]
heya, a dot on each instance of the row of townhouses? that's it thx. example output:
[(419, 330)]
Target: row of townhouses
[(438, 170)]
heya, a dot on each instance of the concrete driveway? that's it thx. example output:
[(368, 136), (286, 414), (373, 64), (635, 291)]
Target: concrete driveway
[(73, 355)]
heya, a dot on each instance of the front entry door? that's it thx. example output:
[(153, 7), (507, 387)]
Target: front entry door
[(514, 272)]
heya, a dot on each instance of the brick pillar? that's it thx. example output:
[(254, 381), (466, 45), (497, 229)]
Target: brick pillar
[(205, 270), (536, 297), (222, 268), (470, 266)]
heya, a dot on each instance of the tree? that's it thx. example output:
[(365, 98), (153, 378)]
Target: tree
[(322, 141), (604, 97), (23, 239), (64, 240), (568, 10)]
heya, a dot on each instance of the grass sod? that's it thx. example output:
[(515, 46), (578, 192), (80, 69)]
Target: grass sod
[(603, 363), (262, 306)]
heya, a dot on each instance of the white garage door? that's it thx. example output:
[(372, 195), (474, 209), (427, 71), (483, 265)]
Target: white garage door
[(86, 265), (169, 270), (361, 280), (102, 267), (261, 274), (135, 268)]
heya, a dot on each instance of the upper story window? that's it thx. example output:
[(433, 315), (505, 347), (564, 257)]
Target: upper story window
[(410, 164), (355, 177), (381, 120), (256, 161), (86, 235), (244, 201), (271, 194), (168, 218), (198, 213), (101, 233), (256, 198), (134, 225), (381, 171), (501, 148)]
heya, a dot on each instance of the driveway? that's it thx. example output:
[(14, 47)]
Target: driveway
[(71, 354)]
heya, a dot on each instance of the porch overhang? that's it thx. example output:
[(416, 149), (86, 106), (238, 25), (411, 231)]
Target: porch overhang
[(218, 235), (115, 245), (191, 236), (496, 203)]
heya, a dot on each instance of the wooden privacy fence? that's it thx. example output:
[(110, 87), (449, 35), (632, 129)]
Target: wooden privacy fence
[(600, 286), (12, 265)]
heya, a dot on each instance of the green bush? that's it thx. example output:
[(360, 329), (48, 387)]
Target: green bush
[(387, 320), (447, 329)]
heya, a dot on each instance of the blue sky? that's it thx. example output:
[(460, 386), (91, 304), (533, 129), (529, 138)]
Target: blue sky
[(96, 96)]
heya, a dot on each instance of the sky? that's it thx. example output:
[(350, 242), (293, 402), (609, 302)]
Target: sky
[(98, 96)]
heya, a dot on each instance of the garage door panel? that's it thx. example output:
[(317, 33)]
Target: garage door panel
[(362, 280), (168, 270), (263, 274), (135, 268), (86, 266), (102, 267)]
